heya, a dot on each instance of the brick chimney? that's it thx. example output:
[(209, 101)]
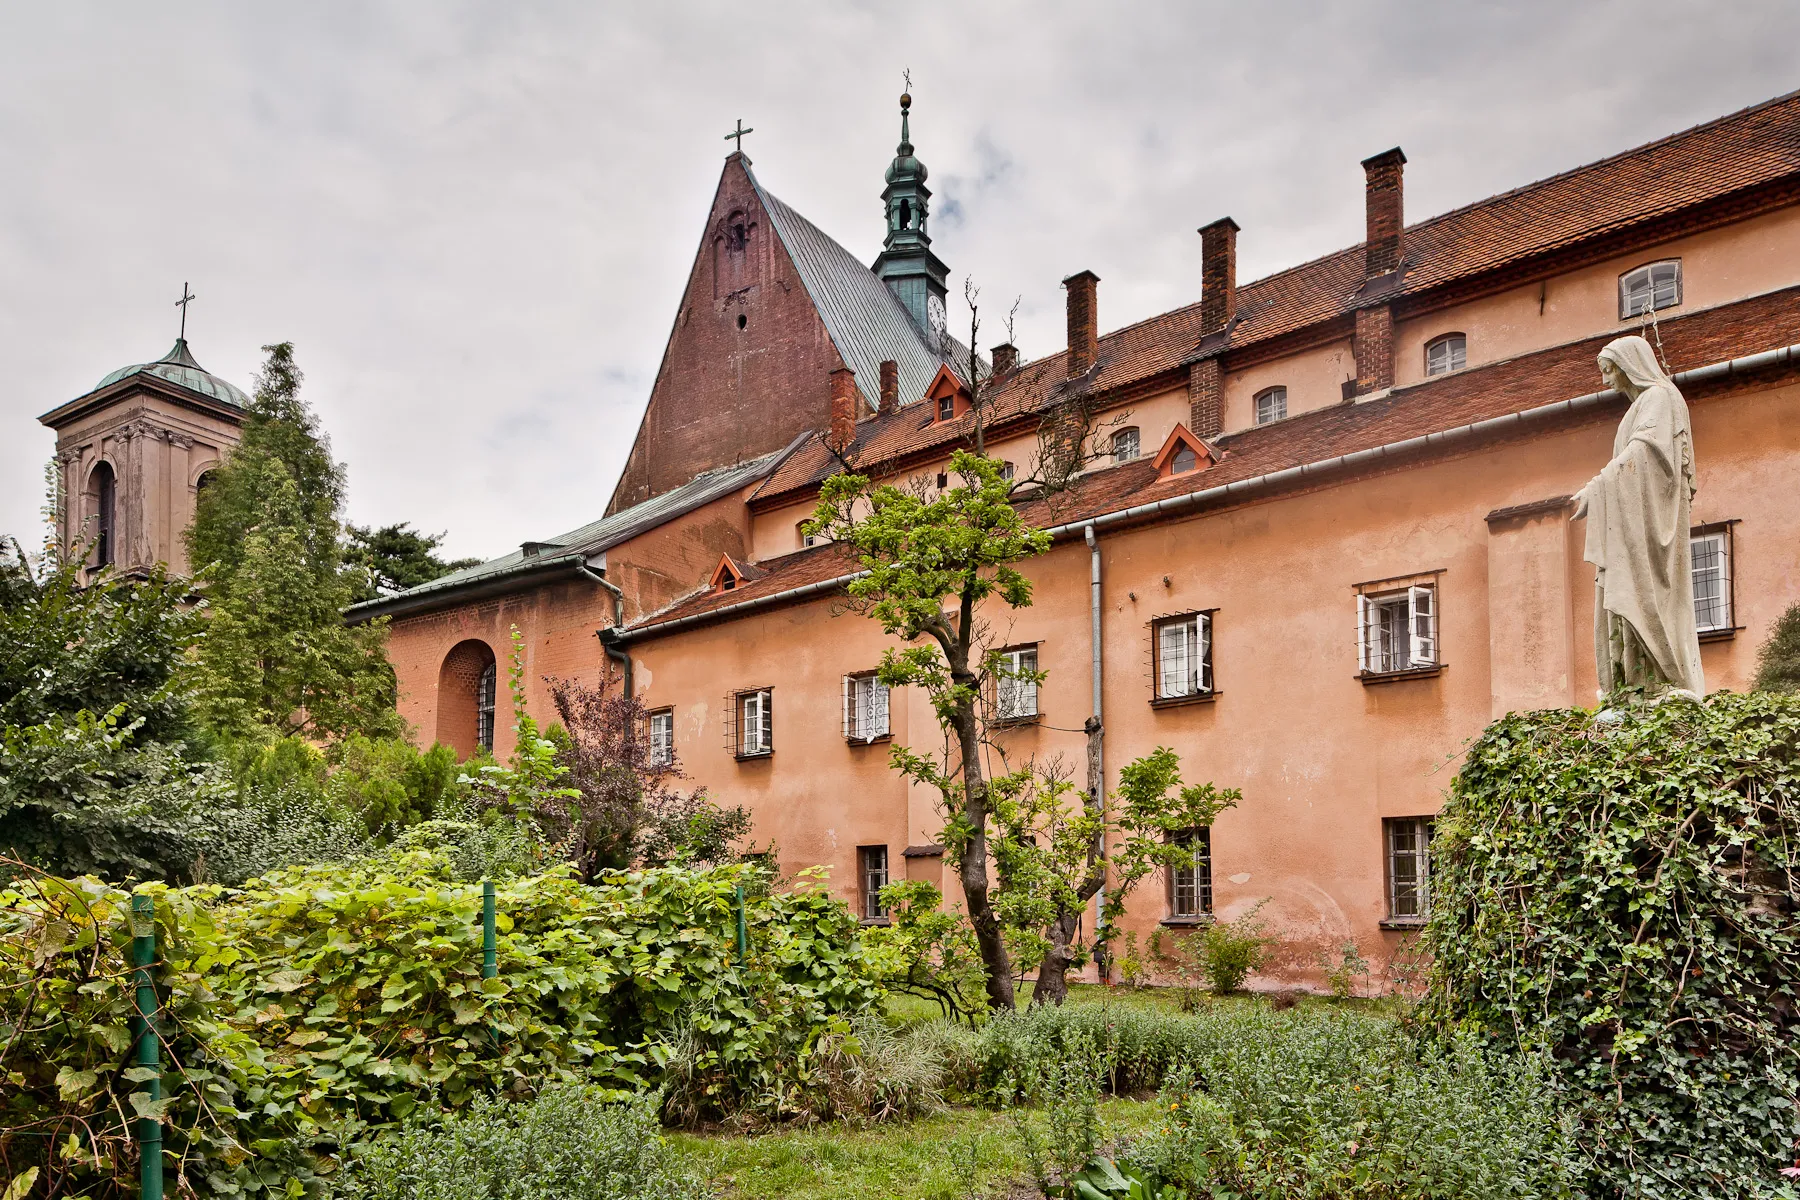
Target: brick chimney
[(1218, 275), (1084, 322), (1384, 175), (1006, 357), (843, 410), (890, 387)]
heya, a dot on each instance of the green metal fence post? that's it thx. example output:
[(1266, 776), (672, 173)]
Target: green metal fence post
[(490, 965), (743, 936), (149, 1050)]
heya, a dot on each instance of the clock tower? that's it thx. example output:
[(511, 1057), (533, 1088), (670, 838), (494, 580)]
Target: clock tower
[(906, 265)]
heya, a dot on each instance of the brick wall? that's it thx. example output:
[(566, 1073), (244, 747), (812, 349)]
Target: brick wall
[(1374, 348), (748, 362), (1206, 398)]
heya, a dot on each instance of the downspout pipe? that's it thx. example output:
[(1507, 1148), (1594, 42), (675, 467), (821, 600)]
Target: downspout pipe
[(1098, 744), (613, 645)]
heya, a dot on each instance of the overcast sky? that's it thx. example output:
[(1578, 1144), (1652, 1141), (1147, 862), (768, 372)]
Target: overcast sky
[(474, 220)]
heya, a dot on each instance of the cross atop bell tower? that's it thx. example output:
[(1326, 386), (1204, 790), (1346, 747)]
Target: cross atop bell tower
[(906, 264)]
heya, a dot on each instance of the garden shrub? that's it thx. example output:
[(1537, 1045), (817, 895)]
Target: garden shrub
[(1229, 950), (322, 1005), (567, 1143), (1619, 892)]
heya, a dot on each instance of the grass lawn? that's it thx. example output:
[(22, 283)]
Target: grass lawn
[(913, 1160)]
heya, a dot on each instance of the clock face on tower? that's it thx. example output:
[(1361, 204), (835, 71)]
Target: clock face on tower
[(934, 316)]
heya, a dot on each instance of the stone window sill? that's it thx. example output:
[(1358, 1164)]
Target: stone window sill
[(756, 756), (1013, 722), (1720, 635), (1371, 678), (868, 741), (1403, 922), (874, 922), (1182, 701), (1199, 922)]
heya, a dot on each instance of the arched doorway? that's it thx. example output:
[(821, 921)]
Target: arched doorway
[(468, 685)]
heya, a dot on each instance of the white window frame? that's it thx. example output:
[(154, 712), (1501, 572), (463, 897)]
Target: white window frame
[(753, 723), (1454, 349), (1191, 887), (941, 402), (1181, 647), (866, 716), (1408, 888), (872, 865), (1016, 699), (660, 735), (1397, 630), (1271, 405), (807, 540), (1130, 437), (1640, 288), (1724, 610)]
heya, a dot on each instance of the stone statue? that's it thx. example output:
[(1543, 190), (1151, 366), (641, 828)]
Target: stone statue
[(1637, 532)]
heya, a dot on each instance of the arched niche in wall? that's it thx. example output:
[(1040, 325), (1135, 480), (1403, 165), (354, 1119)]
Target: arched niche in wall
[(468, 686)]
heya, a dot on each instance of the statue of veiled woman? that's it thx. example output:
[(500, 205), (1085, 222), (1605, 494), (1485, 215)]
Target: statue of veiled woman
[(1637, 532)]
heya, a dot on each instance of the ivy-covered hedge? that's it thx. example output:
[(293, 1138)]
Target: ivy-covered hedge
[(321, 1005), (1622, 890)]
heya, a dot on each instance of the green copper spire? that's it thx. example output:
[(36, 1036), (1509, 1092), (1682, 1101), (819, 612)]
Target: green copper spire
[(911, 271)]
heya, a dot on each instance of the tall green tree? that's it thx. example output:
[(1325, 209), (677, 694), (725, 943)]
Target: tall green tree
[(395, 557), (278, 658), (931, 562)]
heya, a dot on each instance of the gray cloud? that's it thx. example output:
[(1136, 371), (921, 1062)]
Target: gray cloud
[(475, 220)]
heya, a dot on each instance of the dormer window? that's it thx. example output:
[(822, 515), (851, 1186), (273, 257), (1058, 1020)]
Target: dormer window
[(1446, 354), (726, 576), (947, 396), (1271, 405), (1182, 454), (1650, 288)]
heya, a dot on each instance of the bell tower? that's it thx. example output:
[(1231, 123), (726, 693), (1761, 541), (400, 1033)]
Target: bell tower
[(906, 264)]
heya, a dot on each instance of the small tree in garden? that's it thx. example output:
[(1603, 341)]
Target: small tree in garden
[(626, 809), (1047, 848), (930, 563), (1778, 663)]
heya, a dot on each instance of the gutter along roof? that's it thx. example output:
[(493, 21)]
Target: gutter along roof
[(566, 552), (1440, 416), (1596, 210)]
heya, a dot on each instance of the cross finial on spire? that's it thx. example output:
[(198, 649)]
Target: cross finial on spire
[(739, 133), (186, 298)]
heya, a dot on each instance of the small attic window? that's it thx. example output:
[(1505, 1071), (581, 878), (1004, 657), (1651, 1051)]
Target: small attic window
[(946, 408), (1185, 460), (727, 583), (725, 576), (1182, 454)]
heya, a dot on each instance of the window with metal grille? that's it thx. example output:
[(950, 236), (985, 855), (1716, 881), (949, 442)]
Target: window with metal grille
[(1650, 288), (1015, 684), (753, 723), (1397, 630), (1271, 405), (485, 687), (1190, 884), (1710, 553), (1125, 445), (865, 708), (1182, 647), (874, 870), (662, 737), (1446, 354), (1408, 867)]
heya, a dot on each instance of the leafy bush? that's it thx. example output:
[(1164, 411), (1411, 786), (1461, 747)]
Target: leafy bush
[(323, 1005), (1229, 950), (567, 1143), (1618, 891), (925, 951), (1778, 662)]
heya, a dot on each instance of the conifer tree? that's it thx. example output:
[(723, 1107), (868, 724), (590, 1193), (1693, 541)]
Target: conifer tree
[(278, 658)]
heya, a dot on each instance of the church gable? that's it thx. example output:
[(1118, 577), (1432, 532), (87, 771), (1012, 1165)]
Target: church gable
[(748, 363)]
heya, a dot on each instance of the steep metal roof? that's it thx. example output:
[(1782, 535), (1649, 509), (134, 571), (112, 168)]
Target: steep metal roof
[(867, 324), (590, 539)]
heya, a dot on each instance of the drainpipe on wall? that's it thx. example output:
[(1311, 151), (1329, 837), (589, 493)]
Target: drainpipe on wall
[(615, 650), (1096, 744)]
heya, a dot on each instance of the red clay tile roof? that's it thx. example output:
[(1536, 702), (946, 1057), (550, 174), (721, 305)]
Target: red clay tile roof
[(1732, 154), (1763, 323)]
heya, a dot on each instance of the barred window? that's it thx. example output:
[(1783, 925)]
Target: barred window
[(1190, 884), (1183, 649), (865, 708), (1650, 288), (662, 737), (1710, 552), (1125, 445), (485, 687), (1015, 684), (1446, 354), (873, 866), (1397, 630), (754, 723), (1408, 867), (1271, 405)]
